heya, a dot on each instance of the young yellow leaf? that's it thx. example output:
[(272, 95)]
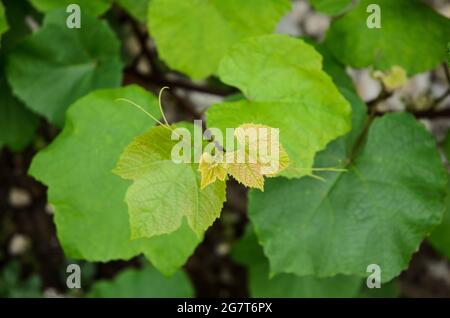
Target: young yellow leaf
[(211, 169), (259, 154)]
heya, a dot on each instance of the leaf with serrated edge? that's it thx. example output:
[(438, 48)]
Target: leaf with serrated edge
[(91, 216), (376, 213), (249, 253), (164, 192), (90, 60), (288, 91)]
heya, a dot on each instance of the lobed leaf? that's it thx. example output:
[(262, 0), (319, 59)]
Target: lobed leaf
[(164, 192), (193, 35), (248, 252), (91, 216), (288, 91), (90, 60), (378, 212)]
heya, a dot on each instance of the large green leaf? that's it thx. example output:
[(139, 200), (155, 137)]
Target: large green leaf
[(3, 21), (412, 35), (378, 212), (286, 88), (331, 7), (93, 7), (55, 66), (164, 193), (144, 283), (90, 212), (249, 252), (17, 124), (193, 35)]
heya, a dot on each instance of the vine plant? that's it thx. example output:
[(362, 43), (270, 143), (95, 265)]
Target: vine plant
[(358, 186)]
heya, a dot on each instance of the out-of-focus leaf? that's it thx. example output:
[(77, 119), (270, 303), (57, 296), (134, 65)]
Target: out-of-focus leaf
[(144, 283), (55, 66), (409, 29), (92, 7), (137, 8), (17, 124), (193, 35), (3, 21)]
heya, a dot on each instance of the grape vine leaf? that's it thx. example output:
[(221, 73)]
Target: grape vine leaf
[(249, 253), (378, 212), (256, 154), (164, 192), (143, 283), (17, 124), (3, 21), (95, 8), (90, 212), (331, 7), (90, 60), (211, 169), (357, 45), (192, 35), (288, 91)]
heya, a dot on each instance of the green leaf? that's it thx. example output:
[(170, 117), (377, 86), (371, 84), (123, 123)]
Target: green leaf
[(399, 41), (93, 7), (72, 62), (3, 22), (193, 35), (137, 8), (163, 192), (249, 252), (144, 283), (17, 124), (90, 212), (286, 88), (331, 7), (378, 212)]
